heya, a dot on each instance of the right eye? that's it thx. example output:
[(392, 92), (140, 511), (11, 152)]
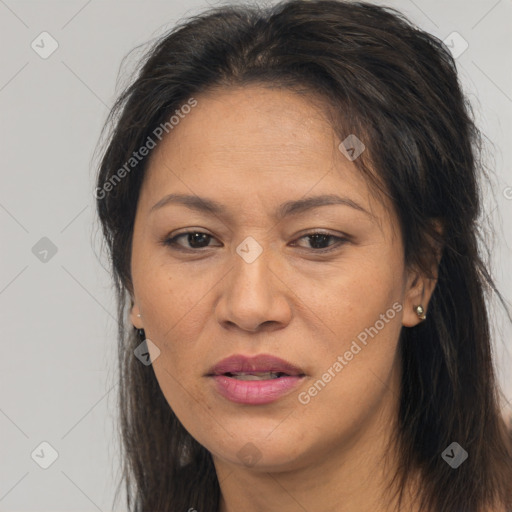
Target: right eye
[(193, 239)]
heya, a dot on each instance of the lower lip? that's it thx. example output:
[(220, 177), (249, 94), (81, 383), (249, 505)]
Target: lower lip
[(254, 392)]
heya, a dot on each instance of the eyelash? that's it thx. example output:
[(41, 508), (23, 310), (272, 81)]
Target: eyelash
[(172, 242)]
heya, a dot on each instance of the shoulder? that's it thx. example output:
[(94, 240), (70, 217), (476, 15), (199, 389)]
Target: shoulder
[(507, 416)]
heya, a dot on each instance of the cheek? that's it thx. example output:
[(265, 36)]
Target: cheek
[(173, 302), (358, 309), (172, 299), (356, 353), (357, 377), (352, 294), (184, 394), (177, 328)]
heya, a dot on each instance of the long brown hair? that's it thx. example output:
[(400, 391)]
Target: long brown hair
[(395, 87)]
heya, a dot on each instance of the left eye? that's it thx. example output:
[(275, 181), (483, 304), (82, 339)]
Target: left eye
[(319, 242)]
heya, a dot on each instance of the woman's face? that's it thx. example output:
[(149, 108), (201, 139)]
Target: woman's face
[(253, 282)]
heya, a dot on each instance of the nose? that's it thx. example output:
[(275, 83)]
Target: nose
[(254, 296)]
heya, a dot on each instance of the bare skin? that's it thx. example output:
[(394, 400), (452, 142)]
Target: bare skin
[(252, 150)]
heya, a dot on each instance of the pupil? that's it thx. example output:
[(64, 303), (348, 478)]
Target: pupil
[(195, 239), (316, 238)]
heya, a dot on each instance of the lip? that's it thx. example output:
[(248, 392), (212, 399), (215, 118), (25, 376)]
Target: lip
[(255, 392), (260, 363)]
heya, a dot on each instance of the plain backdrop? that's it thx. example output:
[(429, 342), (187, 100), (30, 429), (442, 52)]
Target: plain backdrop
[(58, 339)]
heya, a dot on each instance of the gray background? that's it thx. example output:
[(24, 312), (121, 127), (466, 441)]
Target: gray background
[(58, 376)]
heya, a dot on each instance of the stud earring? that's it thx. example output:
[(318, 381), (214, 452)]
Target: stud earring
[(420, 312)]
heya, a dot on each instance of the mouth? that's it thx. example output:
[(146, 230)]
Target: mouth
[(256, 376), (255, 380), (260, 367)]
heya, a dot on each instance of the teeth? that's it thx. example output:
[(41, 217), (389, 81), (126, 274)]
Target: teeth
[(255, 376)]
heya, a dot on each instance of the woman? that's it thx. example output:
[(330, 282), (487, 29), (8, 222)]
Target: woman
[(290, 198)]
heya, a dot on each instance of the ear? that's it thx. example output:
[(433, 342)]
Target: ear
[(419, 291), (134, 316), (419, 285)]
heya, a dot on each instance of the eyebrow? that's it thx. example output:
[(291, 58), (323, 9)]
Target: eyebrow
[(203, 204)]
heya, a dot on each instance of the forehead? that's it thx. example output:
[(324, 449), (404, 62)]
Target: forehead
[(254, 142), (277, 125)]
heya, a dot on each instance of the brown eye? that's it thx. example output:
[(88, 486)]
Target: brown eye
[(193, 240), (320, 242)]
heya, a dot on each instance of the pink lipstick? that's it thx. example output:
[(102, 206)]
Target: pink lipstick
[(256, 380)]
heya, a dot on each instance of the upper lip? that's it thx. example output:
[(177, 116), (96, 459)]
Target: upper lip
[(261, 363)]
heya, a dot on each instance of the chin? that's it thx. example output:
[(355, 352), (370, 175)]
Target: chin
[(255, 449)]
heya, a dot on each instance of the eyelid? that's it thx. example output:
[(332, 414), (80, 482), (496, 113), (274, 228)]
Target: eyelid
[(340, 239), (171, 240)]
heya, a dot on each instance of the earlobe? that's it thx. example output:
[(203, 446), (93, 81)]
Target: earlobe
[(420, 286), (417, 298), (136, 316), (420, 311), (415, 306)]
